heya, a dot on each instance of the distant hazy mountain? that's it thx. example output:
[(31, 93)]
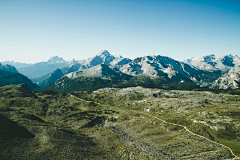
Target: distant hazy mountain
[(102, 57), (7, 67), (55, 75), (43, 68), (17, 65), (7, 78), (213, 63), (56, 59)]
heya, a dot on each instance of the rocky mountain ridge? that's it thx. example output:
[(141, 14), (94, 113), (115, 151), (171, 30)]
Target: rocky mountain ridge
[(102, 57), (203, 71), (227, 66), (213, 63)]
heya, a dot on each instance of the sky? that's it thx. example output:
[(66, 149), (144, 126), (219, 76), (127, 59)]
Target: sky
[(33, 31)]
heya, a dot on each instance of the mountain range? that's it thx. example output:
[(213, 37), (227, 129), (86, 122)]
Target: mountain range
[(208, 71)]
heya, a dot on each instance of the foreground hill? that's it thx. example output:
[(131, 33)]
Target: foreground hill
[(7, 77), (128, 123), (9, 68)]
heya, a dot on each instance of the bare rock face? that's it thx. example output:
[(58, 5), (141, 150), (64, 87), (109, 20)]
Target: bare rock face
[(101, 70), (213, 63), (103, 57), (227, 81), (154, 66)]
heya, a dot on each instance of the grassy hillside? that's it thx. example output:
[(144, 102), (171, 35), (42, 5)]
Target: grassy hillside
[(117, 123), (7, 78)]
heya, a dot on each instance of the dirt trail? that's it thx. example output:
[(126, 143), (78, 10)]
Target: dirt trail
[(174, 125)]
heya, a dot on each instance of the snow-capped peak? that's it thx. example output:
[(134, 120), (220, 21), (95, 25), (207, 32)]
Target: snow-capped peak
[(103, 52)]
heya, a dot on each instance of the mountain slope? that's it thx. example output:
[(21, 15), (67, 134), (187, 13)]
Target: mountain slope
[(102, 57), (7, 78), (101, 70), (51, 78), (121, 61), (9, 68)]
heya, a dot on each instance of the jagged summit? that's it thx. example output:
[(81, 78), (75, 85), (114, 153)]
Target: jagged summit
[(104, 53), (107, 54), (103, 57), (56, 59)]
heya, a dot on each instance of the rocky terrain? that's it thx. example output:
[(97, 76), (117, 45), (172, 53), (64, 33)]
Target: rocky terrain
[(223, 71), (227, 80), (115, 123), (213, 63), (207, 71)]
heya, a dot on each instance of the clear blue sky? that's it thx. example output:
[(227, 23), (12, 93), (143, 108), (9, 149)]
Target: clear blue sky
[(33, 31)]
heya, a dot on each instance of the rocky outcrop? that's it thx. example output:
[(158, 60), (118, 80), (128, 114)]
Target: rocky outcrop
[(228, 80), (213, 63)]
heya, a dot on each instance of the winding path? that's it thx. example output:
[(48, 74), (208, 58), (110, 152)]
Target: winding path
[(174, 125)]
